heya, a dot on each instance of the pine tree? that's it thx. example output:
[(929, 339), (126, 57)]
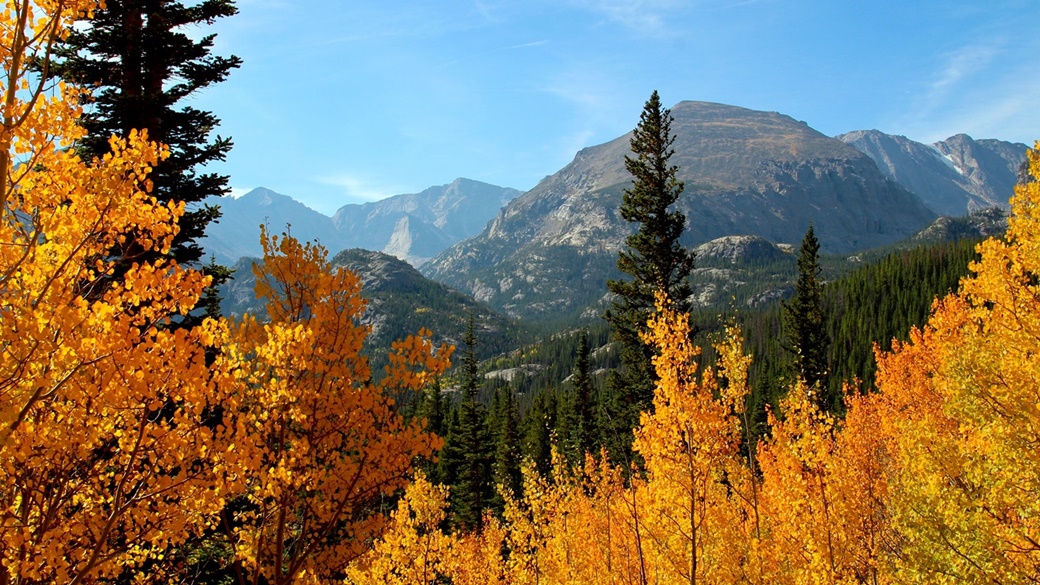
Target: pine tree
[(584, 438), (505, 468), (449, 460), (655, 261), (473, 490), (540, 422), (804, 323), (142, 66)]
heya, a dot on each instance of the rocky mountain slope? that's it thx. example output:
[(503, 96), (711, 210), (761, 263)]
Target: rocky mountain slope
[(412, 227), (952, 177), (550, 251), (416, 227), (401, 301)]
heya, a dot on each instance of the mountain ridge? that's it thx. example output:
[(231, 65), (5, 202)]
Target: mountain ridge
[(746, 173), (410, 226), (953, 177)]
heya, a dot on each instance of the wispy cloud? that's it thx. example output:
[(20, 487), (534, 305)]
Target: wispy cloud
[(960, 67), (237, 192), (654, 17), (357, 187), (527, 45), (644, 16), (975, 92)]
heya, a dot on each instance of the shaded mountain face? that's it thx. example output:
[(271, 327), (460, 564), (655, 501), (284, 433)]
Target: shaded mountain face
[(977, 225), (401, 301), (551, 250), (412, 227), (953, 177)]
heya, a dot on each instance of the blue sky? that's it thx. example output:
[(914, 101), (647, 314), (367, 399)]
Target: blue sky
[(349, 101)]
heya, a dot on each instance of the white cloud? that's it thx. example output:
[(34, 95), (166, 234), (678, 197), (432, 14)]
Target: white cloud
[(357, 187), (654, 17), (645, 16), (237, 192), (974, 91), (960, 67)]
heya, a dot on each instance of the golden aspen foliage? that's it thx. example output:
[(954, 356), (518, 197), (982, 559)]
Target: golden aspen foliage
[(861, 467), (807, 529), (961, 407), (412, 550), (37, 118), (476, 557), (691, 445), (572, 528), (103, 450), (316, 442)]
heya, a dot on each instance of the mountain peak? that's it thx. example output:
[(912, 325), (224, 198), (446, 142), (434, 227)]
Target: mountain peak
[(952, 177), (745, 172)]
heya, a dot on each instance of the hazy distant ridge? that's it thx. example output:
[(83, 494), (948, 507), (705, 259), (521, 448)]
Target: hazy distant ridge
[(953, 177), (412, 227)]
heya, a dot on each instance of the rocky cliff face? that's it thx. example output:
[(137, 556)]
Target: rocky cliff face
[(952, 177), (416, 227), (990, 167), (746, 172)]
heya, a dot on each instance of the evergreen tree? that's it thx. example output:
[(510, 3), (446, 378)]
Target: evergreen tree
[(450, 459), (655, 261), (540, 422), (804, 325), (472, 492), (506, 465), (141, 65), (583, 435), (431, 408)]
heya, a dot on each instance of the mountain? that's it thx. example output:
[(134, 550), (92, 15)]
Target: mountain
[(416, 227), (977, 225), (952, 177), (412, 227), (237, 232), (549, 252), (401, 301)]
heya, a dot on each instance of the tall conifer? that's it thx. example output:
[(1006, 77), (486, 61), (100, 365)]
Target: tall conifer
[(654, 260), (141, 65), (506, 465), (473, 490), (584, 438), (804, 325)]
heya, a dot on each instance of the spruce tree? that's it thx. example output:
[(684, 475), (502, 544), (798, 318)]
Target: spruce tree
[(141, 66), (505, 468), (804, 326), (540, 422), (473, 490), (584, 437), (449, 460), (431, 409), (655, 261)]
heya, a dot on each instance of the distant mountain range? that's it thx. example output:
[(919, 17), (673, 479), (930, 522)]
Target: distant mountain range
[(953, 177), (412, 227), (747, 172), (763, 176)]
